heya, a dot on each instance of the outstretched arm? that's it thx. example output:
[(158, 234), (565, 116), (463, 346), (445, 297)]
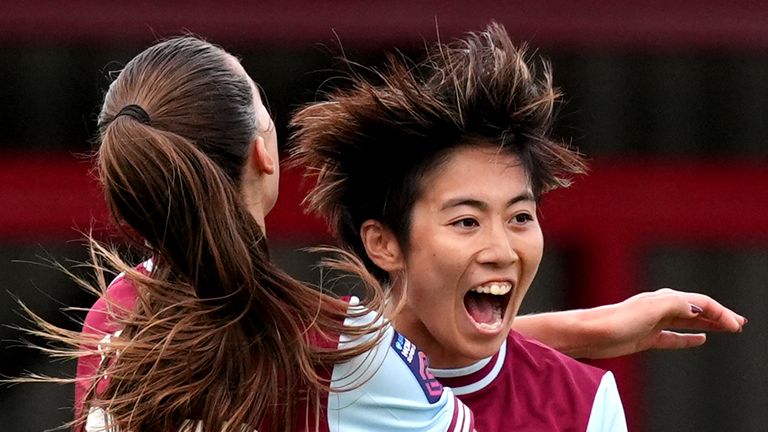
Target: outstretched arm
[(639, 323)]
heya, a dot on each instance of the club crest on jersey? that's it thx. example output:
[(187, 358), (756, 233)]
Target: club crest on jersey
[(418, 365)]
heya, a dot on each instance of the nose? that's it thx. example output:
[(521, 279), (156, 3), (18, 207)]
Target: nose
[(498, 247)]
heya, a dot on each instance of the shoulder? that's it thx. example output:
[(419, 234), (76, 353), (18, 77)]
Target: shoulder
[(119, 297), (389, 389)]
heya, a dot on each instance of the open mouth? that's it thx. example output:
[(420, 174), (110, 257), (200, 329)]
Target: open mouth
[(487, 303)]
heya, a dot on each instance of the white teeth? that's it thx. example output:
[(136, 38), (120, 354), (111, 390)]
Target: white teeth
[(492, 326), (496, 288)]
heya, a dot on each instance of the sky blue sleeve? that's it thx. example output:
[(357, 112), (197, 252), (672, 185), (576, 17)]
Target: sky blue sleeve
[(392, 390), (607, 412)]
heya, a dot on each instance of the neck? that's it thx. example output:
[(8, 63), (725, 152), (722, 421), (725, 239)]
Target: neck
[(253, 201), (400, 314), (258, 215)]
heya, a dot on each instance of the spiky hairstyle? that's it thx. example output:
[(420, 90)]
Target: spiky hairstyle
[(369, 145)]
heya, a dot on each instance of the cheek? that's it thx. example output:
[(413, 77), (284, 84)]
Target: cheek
[(435, 262), (530, 256), (422, 269), (532, 253), (431, 273)]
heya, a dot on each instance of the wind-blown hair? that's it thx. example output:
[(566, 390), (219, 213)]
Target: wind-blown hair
[(369, 146), (218, 334)]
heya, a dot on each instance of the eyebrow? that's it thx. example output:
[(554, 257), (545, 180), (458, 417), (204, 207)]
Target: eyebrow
[(482, 205)]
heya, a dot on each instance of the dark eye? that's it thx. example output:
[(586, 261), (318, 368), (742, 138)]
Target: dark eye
[(522, 218), (466, 223)]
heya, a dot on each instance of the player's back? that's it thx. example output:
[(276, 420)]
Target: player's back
[(385, 389)]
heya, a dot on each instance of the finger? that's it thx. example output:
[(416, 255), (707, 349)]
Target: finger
[(674, 340), (710, 309), (697, 323)]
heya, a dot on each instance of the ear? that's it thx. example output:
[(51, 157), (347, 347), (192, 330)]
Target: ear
[(382, 246), (260, 157)]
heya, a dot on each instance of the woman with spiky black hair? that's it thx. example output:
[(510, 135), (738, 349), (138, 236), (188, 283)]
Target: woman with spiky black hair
[(432, 173)]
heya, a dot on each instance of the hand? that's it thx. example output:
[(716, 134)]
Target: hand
[(643, 321)]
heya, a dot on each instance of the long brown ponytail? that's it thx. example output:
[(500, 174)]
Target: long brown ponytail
[(218, 334)]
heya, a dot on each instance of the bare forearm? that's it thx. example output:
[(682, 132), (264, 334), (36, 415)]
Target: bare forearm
[(565, 331)]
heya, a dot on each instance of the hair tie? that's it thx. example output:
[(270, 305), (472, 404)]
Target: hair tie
[(136, 112)]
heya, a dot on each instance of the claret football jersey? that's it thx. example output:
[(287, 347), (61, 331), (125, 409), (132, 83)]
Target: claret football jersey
[(528, 386)]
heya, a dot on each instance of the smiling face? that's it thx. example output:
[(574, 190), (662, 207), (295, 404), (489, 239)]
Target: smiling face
[(474, 247)]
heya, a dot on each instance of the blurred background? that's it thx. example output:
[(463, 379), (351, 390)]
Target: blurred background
[(668, 99)]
